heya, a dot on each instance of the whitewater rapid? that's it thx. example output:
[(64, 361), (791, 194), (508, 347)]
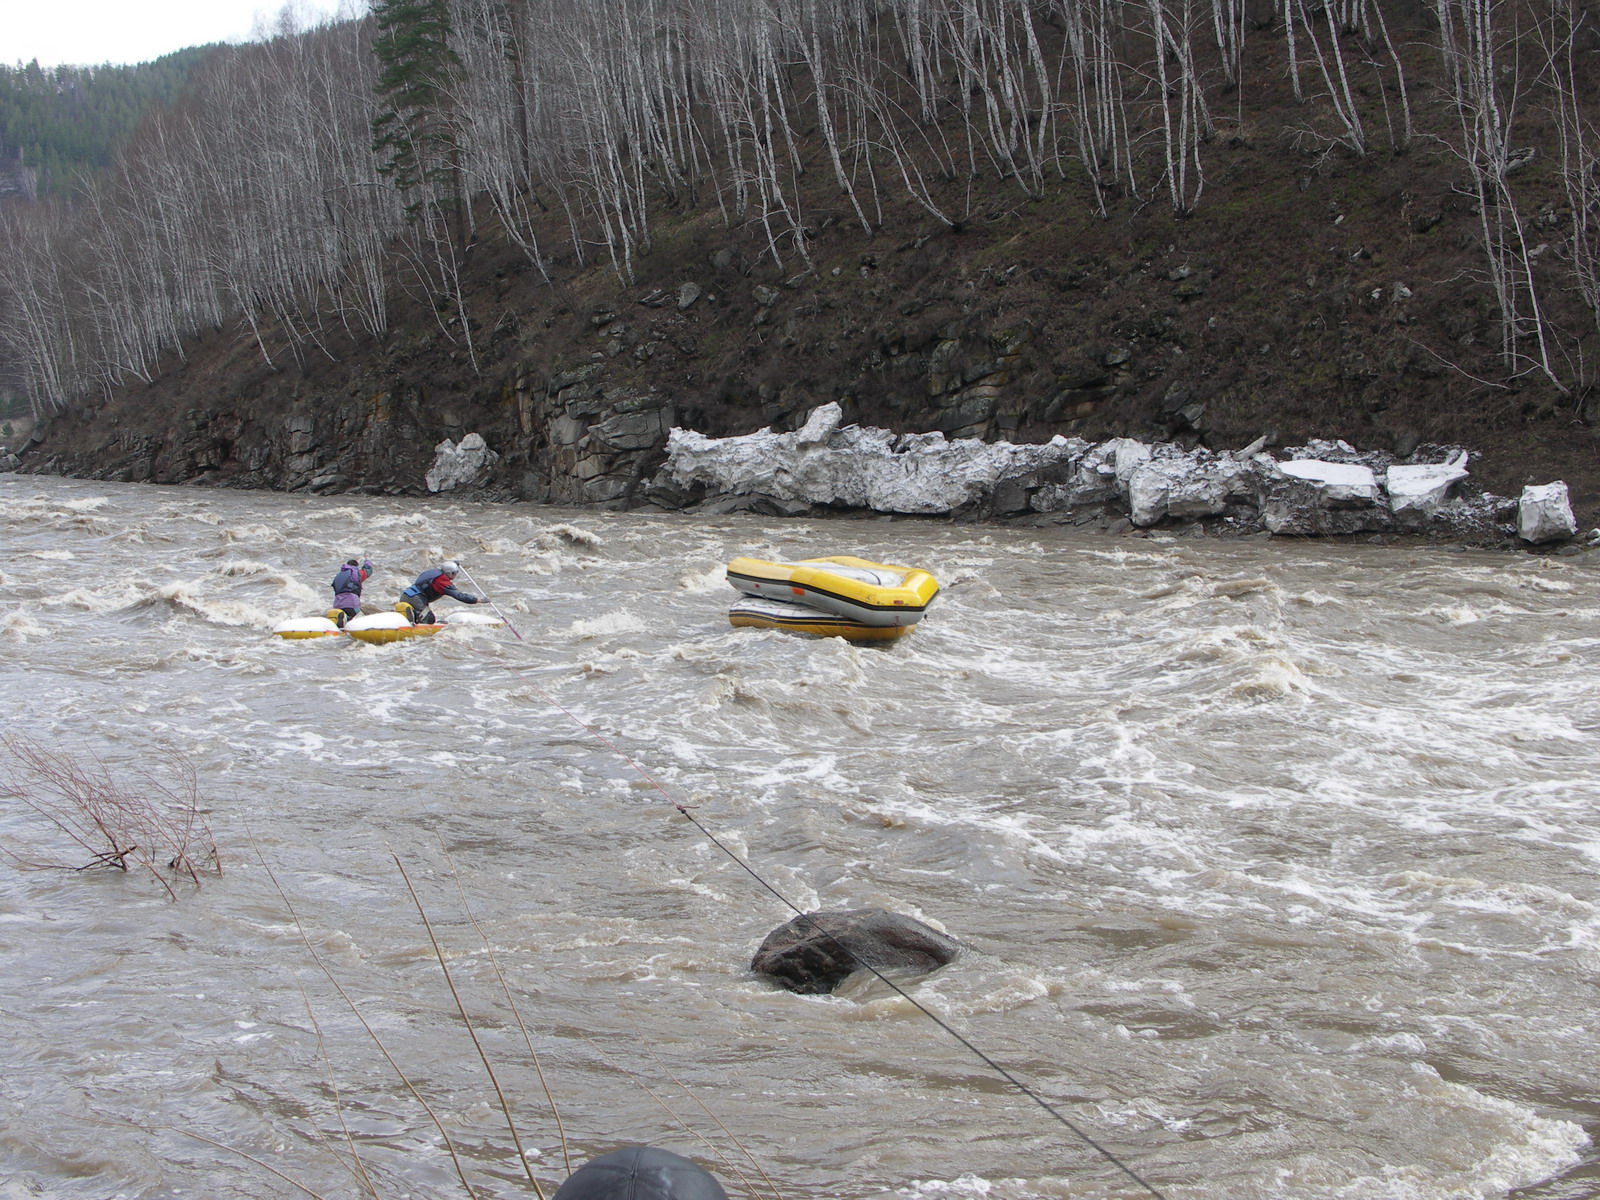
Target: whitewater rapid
[(1278, 862)]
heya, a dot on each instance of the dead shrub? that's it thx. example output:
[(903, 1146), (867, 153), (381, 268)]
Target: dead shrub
[(152, 822)]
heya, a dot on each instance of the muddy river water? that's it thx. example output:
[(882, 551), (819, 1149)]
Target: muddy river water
[(1278, 863)]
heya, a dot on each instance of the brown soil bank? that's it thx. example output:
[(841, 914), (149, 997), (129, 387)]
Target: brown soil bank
[(1312, 293)]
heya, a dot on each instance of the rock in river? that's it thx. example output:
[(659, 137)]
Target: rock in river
[(819, 951)]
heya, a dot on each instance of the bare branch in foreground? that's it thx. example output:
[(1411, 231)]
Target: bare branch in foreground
[(146, 823)]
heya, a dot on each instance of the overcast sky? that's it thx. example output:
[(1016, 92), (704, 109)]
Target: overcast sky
[(130, 31)]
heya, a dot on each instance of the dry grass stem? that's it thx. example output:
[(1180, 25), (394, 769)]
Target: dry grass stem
[(234, 1150), (355, 1010), (732, 1137), (511, 1001), (472, 1032), (356, 1166)]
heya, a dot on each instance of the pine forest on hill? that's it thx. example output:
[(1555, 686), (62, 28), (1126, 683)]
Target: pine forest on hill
[(59, 125), (310, 194)]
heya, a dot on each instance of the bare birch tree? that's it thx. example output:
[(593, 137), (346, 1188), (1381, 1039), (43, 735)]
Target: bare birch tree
[(1577, 123), (1484, 67)]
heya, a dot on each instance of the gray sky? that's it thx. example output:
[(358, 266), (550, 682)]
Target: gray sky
[(127, 31)]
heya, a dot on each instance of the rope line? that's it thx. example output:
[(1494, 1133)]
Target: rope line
[(685, 810), (491, 603)]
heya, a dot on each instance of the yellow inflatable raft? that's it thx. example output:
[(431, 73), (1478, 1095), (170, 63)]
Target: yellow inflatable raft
[(384, 627), (757, 612), (379, 628), (876, 595), (307, 627)]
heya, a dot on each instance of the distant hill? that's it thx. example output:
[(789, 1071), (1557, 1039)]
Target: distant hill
[(56, 122)]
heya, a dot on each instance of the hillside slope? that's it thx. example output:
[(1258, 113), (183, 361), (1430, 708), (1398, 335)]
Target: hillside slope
[(1312, 292)]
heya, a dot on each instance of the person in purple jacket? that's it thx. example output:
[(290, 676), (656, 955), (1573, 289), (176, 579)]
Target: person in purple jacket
[(347, 589)]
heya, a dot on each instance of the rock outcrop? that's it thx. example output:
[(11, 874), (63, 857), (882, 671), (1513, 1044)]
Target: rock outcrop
[(1319, 489), (574, 438), (851, 467), (460, 464)]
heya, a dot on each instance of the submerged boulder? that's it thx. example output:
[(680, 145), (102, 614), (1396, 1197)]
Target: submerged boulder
[(640, 1173), (817, 952)]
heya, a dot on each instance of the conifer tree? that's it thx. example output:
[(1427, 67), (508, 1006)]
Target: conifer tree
[(415, 133)]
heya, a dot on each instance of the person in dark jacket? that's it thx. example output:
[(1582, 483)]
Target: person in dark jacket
[(347, 589), (416, 602)]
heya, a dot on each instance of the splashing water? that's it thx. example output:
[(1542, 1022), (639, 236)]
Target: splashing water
[(1277, 862)]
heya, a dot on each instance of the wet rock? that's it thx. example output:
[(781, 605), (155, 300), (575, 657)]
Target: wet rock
[(1008, 497), (1092, 482), (1292, 505), (816, 953), (301, 428), (567, 430), (634, 430), (765, 506)]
